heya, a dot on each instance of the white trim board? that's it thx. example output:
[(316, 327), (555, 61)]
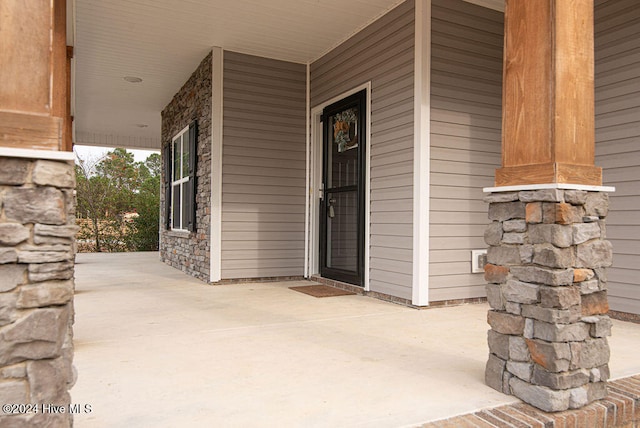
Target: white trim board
[(215, 229), (562, 186), (314, 173), (315, 178), (11, 152), (421, 153), (308, 189)]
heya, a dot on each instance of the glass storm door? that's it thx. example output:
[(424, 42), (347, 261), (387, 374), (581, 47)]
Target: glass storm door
[(342, 205)]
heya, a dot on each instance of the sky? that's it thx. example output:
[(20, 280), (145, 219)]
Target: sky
[(95, 153)]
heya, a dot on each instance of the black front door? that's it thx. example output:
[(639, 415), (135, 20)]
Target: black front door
[(342, 205)]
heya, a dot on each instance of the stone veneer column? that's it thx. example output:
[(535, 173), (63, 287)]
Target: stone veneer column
[(37, 216), (547, 291)]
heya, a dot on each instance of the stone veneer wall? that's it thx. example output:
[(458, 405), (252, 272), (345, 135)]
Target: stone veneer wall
[(37, 215), (190, 252), (549, 323)]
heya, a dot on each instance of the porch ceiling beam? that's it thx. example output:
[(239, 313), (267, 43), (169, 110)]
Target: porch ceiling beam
[(548, 132)]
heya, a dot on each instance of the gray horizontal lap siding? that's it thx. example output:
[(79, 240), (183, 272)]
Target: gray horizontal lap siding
[(382, 53), (617, 142), (263, 167), (466, 103)]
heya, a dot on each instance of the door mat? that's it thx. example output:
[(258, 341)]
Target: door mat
[(321, 291)]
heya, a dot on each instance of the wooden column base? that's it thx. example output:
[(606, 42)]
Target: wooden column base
[(549, 173), (27, 131)]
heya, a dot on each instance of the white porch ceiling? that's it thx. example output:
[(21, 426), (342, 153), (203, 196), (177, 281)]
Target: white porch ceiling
[(163, 41)]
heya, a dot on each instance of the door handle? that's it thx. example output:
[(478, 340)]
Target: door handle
[(332, 212)]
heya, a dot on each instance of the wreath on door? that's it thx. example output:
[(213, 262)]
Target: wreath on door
[(345, 130)]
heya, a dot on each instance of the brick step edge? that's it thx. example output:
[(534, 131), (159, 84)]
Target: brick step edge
[(621, 408)]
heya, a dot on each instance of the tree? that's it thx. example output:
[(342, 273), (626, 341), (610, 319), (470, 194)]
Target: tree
[(92, 194), (147, 203), (120, 200)]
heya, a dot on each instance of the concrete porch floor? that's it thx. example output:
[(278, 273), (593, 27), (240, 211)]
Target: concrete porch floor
[(157, 348)]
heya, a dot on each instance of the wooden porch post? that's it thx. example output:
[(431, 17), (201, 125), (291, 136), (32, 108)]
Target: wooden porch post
[(61, 62), (548, 94), (34, 94), (547, 250)]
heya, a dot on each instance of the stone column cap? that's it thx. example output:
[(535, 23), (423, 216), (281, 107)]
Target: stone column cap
[(561, 186), (11, 152)]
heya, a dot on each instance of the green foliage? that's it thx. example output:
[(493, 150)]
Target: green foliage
[(118, 202), (147, 203)]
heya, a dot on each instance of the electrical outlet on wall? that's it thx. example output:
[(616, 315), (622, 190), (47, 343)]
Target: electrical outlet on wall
[(478, 260)]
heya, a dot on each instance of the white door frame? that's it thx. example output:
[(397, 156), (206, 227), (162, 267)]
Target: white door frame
[(314, 177)]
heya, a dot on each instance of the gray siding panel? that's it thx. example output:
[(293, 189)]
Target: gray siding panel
[(466, 91), (383, 54), (617, 135), (263, 167)]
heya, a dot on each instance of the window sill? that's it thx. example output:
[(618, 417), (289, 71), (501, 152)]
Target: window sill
[(178, 233)]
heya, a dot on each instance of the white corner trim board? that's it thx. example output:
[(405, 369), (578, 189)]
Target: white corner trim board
[(421, 153), (217, 66)]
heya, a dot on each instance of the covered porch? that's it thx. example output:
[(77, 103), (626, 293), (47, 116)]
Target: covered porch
[(154, 347), (259, 167), (415, 235)]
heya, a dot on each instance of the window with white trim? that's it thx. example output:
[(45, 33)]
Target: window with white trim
[(179, 178), (180, 158)]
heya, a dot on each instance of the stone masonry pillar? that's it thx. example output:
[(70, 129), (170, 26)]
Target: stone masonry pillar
[(37, 216), (37, 232), (547, 291)]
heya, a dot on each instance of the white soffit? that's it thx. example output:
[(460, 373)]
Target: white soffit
[(163, 41), (491, 4)]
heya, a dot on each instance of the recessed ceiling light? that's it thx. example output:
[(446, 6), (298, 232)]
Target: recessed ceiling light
[(132, 79), (142, 125)]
